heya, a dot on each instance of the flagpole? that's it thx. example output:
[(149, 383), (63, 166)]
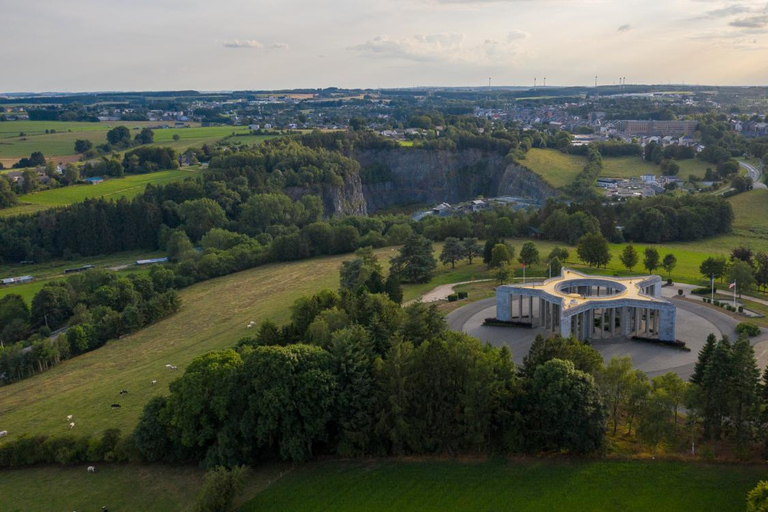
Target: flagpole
[(712, 284), (734, 292), (523, 273)]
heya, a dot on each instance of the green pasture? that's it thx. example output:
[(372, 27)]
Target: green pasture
[(119, 487), (516, 485), (558, 169), (44, 272), (114, 188)]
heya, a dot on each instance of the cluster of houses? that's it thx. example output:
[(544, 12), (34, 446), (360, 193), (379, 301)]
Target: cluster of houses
[(476, 205)]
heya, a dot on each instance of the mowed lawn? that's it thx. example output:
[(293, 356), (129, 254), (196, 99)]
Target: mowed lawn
[(520, 486), (119, 487), (127, 186), (634, 167), (214, 315), (558, 169)]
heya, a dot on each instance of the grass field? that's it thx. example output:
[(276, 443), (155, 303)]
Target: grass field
[(127, 186), (213, 316), (44, 272), (120, 487), (61, 143), (530, 485), (558, 169), (634, 167)]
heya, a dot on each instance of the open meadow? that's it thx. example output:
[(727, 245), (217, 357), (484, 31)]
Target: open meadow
[(60, 145), (557, 168), (560, 169), (114, 188), (519, 485)]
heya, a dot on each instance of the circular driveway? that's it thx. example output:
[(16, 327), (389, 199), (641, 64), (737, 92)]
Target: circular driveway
[(694, 323)]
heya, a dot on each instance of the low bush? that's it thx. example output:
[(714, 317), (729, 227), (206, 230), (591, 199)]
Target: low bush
[(680, 292), (748, 328), (29, 450), (702, 291), (741, 309), (463, 295), (453, 297), (717, 303), (220, 488)]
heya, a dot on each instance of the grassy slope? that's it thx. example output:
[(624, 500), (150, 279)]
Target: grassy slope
[(536, 485), (557, 168), (127, 186), (214, 316), (161, 488)]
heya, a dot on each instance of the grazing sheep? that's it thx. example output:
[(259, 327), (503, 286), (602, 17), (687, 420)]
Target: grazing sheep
[(115, 406), (123, 391), (174, 367), (3, 433), (71, 425), (91, 469), (154, 382), (69, 417)]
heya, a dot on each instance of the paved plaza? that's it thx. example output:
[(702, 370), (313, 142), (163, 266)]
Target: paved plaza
[(694, 322)]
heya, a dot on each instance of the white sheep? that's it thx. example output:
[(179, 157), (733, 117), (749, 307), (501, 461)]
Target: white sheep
[(71, 425), (69, 417), (3, 433), (154, 382), (91, 469)]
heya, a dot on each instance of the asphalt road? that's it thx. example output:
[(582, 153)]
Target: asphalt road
[(754, 173)]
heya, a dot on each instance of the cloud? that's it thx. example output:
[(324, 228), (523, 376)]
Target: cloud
[(625, 28), (246, 43), (515, 35), (434, 47), (444, 48), (278, 46), (724, 12), (751, 22)]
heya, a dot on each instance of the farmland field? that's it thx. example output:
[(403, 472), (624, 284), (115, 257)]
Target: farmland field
[(162, 488), (61, 143), (127, 186), (527, 485)]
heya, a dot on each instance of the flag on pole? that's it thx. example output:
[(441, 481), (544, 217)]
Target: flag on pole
[(712, 279), (732, 285)]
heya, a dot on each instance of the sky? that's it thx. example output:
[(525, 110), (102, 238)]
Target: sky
[(100, 45)]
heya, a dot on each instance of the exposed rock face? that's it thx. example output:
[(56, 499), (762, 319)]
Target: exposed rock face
[(338, 201), (422, 176)]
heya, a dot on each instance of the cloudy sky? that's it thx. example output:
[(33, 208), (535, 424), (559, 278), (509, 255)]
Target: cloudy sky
[(86, 45)]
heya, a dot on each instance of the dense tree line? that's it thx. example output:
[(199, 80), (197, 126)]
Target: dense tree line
[(354, 374), (94, 306)]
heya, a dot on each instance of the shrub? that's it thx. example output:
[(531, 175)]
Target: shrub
[(741, 309), (702, 291), (220, 488), (453, 297), (669, 282), (463, 295), (717, 303), (748, 328), (680, 292)]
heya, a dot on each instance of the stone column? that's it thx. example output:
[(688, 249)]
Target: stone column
[(520, 308), (530, 309), (667, 329), (624, 322), (613, 322), (503, 306), (656, 322)]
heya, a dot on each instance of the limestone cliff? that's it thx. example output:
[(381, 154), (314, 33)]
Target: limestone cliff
[(407, 176), (338, 201)]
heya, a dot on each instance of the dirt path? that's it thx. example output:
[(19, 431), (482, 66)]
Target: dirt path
[(442, 292)]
